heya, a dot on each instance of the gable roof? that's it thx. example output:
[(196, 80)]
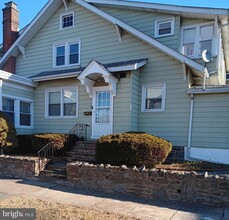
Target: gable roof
[(140, 35), (185, 11), (30, 30), (53, 5)]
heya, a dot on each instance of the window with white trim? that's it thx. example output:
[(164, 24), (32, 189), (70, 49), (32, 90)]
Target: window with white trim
[(19, 111), (67, 20), (67, 54), (164, 27), (197, 38), (61, 102), (25, 113), (8, 108), (153, 98)]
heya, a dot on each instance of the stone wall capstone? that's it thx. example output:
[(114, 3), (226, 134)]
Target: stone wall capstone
[(187, 187)]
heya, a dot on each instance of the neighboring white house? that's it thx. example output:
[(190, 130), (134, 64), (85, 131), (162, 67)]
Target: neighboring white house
[(120, 66)]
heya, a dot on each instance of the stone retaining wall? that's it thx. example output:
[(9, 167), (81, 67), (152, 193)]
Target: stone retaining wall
[(168, 185), (19, 166)]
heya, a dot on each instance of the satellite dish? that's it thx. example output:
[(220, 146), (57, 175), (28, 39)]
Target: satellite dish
[(207, 56)]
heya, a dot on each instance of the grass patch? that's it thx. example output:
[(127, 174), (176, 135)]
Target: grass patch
[(55, 211)]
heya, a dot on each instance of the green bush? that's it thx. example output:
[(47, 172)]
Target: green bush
[(7, 132), (31, 144), (132, 148)]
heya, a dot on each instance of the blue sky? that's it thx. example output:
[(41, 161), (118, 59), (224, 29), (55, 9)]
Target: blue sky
[(29, 8)]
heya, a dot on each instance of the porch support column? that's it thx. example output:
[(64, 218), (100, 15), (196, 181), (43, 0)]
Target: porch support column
[(0, 94)]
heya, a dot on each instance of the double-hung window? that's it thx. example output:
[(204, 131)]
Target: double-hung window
[(19, 111), (66, 54), (197, 38), (67, 20), (25, 113), (8, 108), (61, 102), (164, 27), (153, 98)]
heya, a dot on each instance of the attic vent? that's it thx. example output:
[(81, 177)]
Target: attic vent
[(122, 75)]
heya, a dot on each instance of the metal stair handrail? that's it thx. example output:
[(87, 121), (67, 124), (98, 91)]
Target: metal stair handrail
[(80, 130), (45, 152)]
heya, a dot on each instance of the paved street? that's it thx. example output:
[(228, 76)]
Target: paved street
[(140, 208)]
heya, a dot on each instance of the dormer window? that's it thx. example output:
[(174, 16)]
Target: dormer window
[(197, 38), (164, 27), (67, 20)]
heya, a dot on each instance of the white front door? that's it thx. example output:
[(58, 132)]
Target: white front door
[(102, 112)]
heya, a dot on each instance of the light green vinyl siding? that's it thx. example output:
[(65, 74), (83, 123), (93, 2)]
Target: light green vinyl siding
[(193, 21), (211, 121), (122, 106), (99, 41), (135, 99), (172, 124), (59, 125), (17, 92), (145, 22)]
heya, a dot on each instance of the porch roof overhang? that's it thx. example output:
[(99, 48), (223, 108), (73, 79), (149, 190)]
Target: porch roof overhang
[(13, 78), (69, 73), (94, 69)]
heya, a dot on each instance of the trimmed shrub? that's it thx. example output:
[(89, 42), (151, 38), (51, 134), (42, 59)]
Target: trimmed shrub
[(40, 140), (7, 132), (132, 148), (31, 144)]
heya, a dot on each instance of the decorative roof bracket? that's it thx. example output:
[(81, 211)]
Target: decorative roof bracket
[(119, 32)]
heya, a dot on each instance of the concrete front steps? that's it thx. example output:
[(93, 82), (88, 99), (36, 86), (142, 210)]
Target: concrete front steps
[(82, 151), (54, 172)]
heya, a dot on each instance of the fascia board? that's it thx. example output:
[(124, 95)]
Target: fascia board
[(16, 79)]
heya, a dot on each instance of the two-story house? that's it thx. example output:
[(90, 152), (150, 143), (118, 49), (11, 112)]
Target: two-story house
[(120, 66)]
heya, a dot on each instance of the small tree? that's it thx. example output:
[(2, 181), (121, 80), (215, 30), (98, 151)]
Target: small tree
[(8, 135)]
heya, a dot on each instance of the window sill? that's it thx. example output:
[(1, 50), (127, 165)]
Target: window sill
[(68, 65), (61, 117), (24, 127), (164, 35), (152, 110)]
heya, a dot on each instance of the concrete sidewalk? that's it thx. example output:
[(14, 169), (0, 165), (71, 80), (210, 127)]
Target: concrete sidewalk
[(139, 208)]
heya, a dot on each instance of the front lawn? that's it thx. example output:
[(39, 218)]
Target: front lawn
[(56, 211)]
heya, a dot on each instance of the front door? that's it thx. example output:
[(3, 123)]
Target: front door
[(102, 112)]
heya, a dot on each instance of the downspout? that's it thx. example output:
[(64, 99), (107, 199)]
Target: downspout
[(190, 128)]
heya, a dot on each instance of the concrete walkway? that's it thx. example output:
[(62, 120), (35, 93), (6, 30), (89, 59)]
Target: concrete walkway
[(139, 208)]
